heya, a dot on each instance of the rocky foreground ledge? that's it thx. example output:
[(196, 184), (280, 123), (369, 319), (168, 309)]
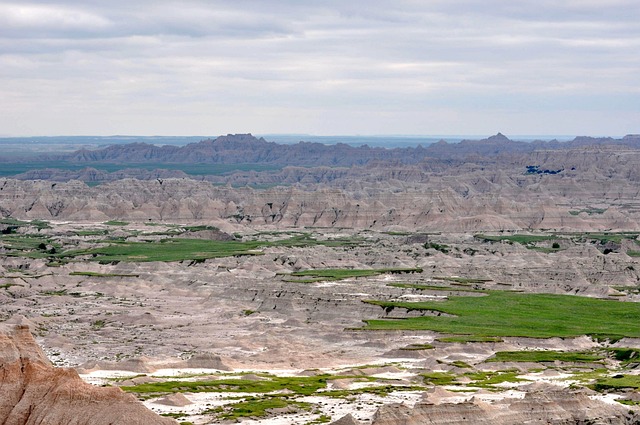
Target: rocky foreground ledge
[(32, 391), (542, 405)]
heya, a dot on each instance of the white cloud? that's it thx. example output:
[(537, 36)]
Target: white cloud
[(33, 18), (336, 67)]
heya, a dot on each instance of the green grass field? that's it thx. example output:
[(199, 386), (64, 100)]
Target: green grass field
[(541, 356), (168, 249), (304, 385), (503, 314)]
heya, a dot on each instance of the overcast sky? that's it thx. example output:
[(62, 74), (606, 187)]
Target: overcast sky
[(156, 67)]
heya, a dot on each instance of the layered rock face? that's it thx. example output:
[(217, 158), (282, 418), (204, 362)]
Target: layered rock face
[(34, 392), (492, 202), (542, 406)]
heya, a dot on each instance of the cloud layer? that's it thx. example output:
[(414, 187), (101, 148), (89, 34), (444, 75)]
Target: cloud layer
[(331, 67)]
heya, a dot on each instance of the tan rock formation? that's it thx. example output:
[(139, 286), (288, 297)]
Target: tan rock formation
[(34, 392), (544, 405)]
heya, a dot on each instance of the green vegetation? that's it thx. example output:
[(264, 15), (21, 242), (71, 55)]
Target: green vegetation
[(98, 324), (617, 382), (439, 378), (631, 253), (521, 239), (460, 364), (503, 313), (57, 292), (322, 419), (199, 228), (529, 241), (254, 407), (438, 247), (339, 274), (545, 356), (305, 385), (417, 347), (91, 232), (27, 245), (11, 169), (95, 274), (182, 249), (14, 222), (380, 390), (270, 386), (604, 237), (628, 289), (489, 379), (167, 249), (462, 280), (625, 355), (478, 378), (116, 223), (463, 339), (422, 287), (589, 211)]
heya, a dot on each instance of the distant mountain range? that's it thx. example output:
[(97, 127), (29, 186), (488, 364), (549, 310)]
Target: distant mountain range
[(247, 149)]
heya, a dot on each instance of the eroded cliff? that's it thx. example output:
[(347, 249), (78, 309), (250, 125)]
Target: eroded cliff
[(33, 392)]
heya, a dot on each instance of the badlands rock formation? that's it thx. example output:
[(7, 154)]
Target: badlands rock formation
[(494, 201), (546, 405), (34, 392)]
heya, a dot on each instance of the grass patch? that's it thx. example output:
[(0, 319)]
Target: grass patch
[(462, 280), (305, 385), (98, 324), (180, 249), (422, 287), (625, 355), (379, 390), (339, 274), (199, 228), (489, 379), (617, 382), (417, 347), (116, 223), (91, 232), (14, 222), (28, 245), (438, 247), (55, 293), (439, 378), (167, 249), (545, 356), (95, 274), (589, 211), (463, 339), (254, 407), (632, 253), (603, 238), (504, 313), (521, 239)]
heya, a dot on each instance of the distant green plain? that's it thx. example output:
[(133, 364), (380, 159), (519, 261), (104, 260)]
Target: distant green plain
[(505, 314), (11, 169)]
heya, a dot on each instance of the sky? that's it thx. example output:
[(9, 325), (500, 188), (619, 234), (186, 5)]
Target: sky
[(163, 67)]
